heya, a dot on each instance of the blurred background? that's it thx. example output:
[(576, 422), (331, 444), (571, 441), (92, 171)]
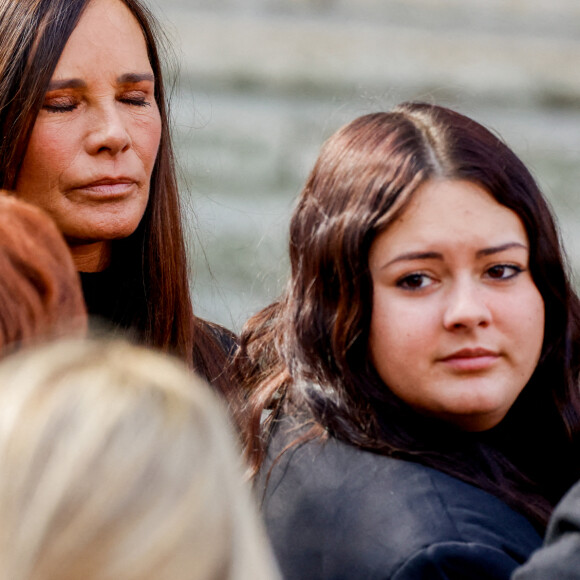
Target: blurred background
[(262, 83)]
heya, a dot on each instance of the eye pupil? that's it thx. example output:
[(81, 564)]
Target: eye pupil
[(415, 280)]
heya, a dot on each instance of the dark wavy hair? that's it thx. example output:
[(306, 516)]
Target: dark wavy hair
[(309, 350), (151, 264)]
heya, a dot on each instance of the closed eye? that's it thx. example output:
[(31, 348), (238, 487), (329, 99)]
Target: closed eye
[(136, 102), (136, 98), (63, 104)]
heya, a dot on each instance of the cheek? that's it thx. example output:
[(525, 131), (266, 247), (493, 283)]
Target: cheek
[(522, 314), (531, 323), (399, 336), (48, 154), (146, 141)]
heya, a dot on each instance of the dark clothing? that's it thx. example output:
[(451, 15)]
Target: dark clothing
[(110, 308), (559, 558), (118, 305), (336, 512), (107, 304)]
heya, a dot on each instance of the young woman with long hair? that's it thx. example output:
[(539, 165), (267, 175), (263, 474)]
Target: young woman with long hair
[(415, 408)]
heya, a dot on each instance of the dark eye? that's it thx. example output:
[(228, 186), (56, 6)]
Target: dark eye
[(503, 271), (414, 281)]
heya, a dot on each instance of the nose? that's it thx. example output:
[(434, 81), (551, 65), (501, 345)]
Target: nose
[(466, 307), (107, 132)]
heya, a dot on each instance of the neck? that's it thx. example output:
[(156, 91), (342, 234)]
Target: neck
[(93, 257)]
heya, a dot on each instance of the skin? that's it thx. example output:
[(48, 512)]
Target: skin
[(95, 141), (457, 323)]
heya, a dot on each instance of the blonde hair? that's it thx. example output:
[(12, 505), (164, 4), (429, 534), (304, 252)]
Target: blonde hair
[(118, 464)]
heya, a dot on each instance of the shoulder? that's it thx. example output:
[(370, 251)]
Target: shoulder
[(221, 335), (213, 351), (334, 505), (560, 555)]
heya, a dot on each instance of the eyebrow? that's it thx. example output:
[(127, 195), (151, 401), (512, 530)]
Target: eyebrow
[(80, 84), (438, 256), (135, 78), (498, 249), (66, 84)]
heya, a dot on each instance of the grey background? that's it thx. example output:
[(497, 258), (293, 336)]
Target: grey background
[(262, 83)]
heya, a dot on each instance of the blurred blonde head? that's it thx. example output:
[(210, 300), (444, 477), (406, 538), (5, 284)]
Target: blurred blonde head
[(118, 464), (40, 292)]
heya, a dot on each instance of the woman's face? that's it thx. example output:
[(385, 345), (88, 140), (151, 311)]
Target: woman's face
[(457, 324), (94, 143)]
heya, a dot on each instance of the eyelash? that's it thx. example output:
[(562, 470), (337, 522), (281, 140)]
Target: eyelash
[(63, 107), (53, 109), (137, 102), (407, 281)]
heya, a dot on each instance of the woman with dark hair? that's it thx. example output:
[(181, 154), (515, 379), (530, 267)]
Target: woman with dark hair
[(415, 407), (85, 136), (40, 292)]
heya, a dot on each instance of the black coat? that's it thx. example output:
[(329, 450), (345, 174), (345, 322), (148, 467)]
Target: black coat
[(336, 512)]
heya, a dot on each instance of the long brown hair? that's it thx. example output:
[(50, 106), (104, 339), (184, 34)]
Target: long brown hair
[(151, 264), (310, 349)]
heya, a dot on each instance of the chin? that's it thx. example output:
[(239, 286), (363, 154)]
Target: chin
[(101, 231), (120, 234), (476, 421)]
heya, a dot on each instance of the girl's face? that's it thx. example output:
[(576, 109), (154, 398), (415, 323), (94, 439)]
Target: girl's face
[(457, 324), (95, 141)]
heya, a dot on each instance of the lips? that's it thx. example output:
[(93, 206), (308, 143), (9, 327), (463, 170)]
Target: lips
[(471, 359), (470, 353), (108, 186)]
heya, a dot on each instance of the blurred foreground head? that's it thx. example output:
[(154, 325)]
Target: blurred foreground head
[(118, 464), (40, 293)]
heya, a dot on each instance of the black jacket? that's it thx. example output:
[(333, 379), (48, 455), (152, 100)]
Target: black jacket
[(336, 512)]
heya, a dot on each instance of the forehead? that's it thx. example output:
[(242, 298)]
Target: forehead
[(454, 214), (107, 35)]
